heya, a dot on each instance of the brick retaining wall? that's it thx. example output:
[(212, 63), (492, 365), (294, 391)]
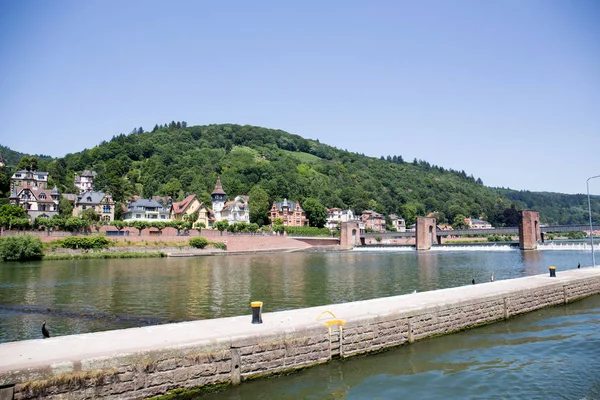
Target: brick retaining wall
[(231, 350)]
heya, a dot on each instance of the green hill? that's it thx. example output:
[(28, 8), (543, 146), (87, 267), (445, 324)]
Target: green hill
[(176, 159)]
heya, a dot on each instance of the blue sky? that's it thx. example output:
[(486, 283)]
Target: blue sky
[(508, 91)]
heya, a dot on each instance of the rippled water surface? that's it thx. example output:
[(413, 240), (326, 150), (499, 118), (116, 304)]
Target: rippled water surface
[(94, 295), (549, 354)]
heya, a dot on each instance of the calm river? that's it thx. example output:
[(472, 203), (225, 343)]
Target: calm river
[(95, 295), (552, 353)]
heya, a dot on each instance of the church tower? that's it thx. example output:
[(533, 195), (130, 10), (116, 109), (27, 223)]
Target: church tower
[(218, 197)]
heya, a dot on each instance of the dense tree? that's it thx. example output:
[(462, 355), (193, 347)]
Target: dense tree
[(315, 212), (259, 206), (4, 182), (221, 225), (90, 215), (29, 163), (459, 222), (171, 188)]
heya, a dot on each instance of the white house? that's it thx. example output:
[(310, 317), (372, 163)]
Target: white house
[(146, 210), (236, 210), (398, 223), (335, 216), (24, 178), (85, 181), (230, 211), (478, 223)]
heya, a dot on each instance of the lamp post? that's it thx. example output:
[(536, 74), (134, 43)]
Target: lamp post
[(590, 212)]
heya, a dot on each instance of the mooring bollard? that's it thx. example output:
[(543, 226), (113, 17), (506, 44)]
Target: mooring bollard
[(256, 312), (552, 269)]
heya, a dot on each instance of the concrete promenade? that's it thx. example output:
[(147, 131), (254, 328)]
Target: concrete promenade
[(148, 361)]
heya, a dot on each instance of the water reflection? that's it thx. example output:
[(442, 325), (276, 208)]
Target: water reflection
[(90, 295)]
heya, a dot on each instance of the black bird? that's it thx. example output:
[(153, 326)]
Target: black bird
[(45, 331), (578, 265), (473, 281)]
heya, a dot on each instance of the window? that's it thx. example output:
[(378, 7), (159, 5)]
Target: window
[(43, 196), (106, 209), (162, 217), (89, 199), (138, 215)]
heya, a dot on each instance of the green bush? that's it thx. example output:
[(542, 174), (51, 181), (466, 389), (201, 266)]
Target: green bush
[(219, 245), (95, 242), (21, 248), (494, 238), (199, 242), (307, 231)]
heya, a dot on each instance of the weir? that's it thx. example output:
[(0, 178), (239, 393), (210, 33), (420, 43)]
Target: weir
[(142, 362)]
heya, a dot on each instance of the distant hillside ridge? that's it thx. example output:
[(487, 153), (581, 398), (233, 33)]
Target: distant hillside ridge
[(12, 157)]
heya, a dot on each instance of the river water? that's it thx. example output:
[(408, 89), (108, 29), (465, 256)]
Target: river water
[(94, 295), (552, 353)]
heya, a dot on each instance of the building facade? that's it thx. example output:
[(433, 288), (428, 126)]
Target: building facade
[(183, 209), (478, 223), (236, 210), (30, 179), (398, 223), (146, 210), (218, 198), (102, 203), (290, 212), (39, 203), (85, 181), (373, 221), (230, 211), (335, 216)]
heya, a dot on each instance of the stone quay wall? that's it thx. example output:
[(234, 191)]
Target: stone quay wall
[(144, 362)]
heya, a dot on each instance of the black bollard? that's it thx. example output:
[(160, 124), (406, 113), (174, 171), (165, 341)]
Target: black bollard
[(552, 269), (256, 312)]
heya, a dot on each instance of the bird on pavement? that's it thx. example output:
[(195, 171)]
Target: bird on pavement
[(45, 331)]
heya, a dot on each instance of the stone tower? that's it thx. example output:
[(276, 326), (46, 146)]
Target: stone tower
[(218, 197)]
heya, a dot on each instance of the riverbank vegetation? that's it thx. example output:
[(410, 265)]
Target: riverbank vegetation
[(104, 255), (21, 248), (28, 248)]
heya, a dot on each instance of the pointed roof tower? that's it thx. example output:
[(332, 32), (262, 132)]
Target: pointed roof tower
[(218, 187)]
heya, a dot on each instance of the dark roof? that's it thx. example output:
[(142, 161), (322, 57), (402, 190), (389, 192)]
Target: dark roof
[(285, 203), (90, 197), (218, 187)]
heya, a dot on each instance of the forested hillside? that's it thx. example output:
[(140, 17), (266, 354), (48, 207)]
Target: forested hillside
[(557, 208), (12, 158), (270, 165)]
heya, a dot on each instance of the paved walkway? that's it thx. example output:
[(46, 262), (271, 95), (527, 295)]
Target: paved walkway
[(44, 352)]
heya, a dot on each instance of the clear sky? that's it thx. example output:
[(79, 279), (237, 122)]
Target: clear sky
[(508, 91)]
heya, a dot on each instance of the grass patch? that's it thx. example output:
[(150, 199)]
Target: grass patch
[(106, 255), (72, 380)]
